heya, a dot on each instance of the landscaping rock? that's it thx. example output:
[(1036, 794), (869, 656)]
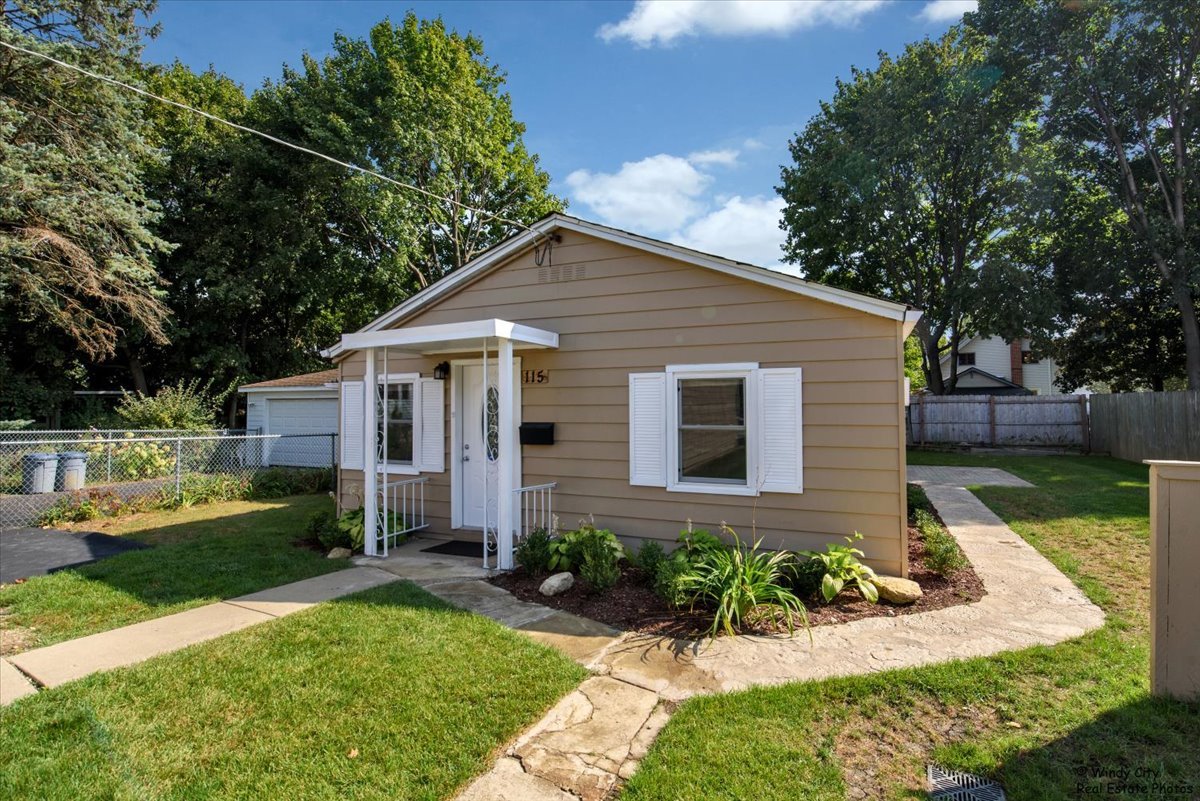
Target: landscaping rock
[(339, 553), (557, 584), (897, 590)]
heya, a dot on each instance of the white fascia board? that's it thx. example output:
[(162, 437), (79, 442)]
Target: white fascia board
[(301, 390), (910, 322), (423, 338)]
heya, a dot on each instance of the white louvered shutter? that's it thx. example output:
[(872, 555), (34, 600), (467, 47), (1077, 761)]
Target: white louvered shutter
[(432, 436), (780, 446), (351, 433), (648, 429)]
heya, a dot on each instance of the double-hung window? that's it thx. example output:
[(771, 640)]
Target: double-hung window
[(731, 429), (397, 420), (408, 431)]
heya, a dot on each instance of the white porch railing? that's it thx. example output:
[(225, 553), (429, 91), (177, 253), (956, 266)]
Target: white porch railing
[(401, 509), (535, 508)]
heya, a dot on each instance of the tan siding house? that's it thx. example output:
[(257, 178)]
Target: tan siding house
[(680, 387)]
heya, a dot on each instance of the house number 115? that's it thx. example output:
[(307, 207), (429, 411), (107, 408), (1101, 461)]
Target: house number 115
[(535, 376)]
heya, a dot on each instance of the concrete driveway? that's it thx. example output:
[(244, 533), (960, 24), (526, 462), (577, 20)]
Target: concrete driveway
[(26, 552)]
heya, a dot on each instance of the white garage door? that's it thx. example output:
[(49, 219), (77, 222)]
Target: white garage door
[(302, 416)]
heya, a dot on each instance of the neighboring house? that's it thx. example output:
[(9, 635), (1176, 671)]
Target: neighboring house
[(663, 385), (992, 366), (299, 404)]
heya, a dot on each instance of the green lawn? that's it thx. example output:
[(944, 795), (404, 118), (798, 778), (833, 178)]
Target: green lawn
[(387, 694), (201, 555), (1038, 720)]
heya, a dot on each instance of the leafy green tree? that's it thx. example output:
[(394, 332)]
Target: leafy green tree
[(76, 249), (904, 186), (1114, 325), (280, 252), (1121, 87)]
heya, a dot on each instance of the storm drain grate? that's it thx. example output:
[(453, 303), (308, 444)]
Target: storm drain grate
[(954, 785)]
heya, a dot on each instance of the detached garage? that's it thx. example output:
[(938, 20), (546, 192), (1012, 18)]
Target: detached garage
[(299, 404)]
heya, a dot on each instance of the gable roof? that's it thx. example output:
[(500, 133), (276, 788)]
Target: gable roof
[(305, 380), (517, 243), (1004, 382)]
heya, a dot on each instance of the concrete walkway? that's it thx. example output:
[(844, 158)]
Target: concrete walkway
[(67, 661), (595, 737), (457, 580), (964, 476)]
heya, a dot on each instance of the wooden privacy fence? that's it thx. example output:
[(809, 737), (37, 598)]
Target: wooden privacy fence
[(1059, 420), (1147, 425)]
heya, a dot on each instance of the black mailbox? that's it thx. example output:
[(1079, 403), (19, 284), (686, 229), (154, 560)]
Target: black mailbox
[(537, 433)]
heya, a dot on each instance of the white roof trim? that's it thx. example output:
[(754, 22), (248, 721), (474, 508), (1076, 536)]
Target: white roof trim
[(448, 337), (300, 388), (517, 243)]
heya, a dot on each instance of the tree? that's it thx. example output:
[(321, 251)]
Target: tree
[(76, 250), (280, 252), (1114, 324), (1122, 89), (903, 186)]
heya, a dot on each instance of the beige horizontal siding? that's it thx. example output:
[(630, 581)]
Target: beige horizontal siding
[(621, 311)]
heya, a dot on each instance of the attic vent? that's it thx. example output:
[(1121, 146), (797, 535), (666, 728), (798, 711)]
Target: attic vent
[(953, 785), (561, 272)]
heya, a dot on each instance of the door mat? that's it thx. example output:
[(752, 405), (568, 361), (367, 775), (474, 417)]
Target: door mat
[(456, 548)]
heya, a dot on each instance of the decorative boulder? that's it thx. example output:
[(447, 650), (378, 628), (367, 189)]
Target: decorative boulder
[(897, 590), (339, 553), (557, 584)]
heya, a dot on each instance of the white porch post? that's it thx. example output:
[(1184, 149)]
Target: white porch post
[(507, 481), (370, 456)]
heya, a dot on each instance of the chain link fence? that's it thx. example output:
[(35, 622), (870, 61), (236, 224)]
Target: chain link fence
[(50, 480), (79, 434)]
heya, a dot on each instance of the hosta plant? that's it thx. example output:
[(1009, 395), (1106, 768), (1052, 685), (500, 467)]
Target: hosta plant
[(842, 567), (566, 550)]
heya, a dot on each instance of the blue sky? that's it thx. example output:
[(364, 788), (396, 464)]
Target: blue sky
[(670, 118)]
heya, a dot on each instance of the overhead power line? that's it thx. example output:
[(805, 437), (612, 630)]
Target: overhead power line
[(270, 137)]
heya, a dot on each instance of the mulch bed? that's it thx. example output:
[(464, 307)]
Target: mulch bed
[(632, 605)]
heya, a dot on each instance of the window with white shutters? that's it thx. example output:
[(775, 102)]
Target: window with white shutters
[(732, 429)]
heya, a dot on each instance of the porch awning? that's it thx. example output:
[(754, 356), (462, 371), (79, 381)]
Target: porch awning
[(452, 337)]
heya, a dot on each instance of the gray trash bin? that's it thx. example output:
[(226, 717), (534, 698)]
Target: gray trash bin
[(72, 469), (37, 472)]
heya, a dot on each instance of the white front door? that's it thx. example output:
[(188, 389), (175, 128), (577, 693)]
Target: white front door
[(479, 437)]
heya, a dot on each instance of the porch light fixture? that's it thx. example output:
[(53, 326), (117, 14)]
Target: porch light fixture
[(441, 371)]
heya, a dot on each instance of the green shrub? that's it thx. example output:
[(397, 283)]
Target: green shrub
[(186, 406), (15, 425), (566, 550), (806, 574), (671, 577), (281, 482), (598, 565), (323, 526), (918, 500), (351, 525), (206, 488), (942, 554), (82, 506), (533, 552), (842, 567), (697, 542), (649, 557), (735, 582)]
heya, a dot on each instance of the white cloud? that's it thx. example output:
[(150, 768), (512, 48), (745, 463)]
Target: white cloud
[(745, 229), (664, 21), (947, 10), (726, 158), (654, 195)]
